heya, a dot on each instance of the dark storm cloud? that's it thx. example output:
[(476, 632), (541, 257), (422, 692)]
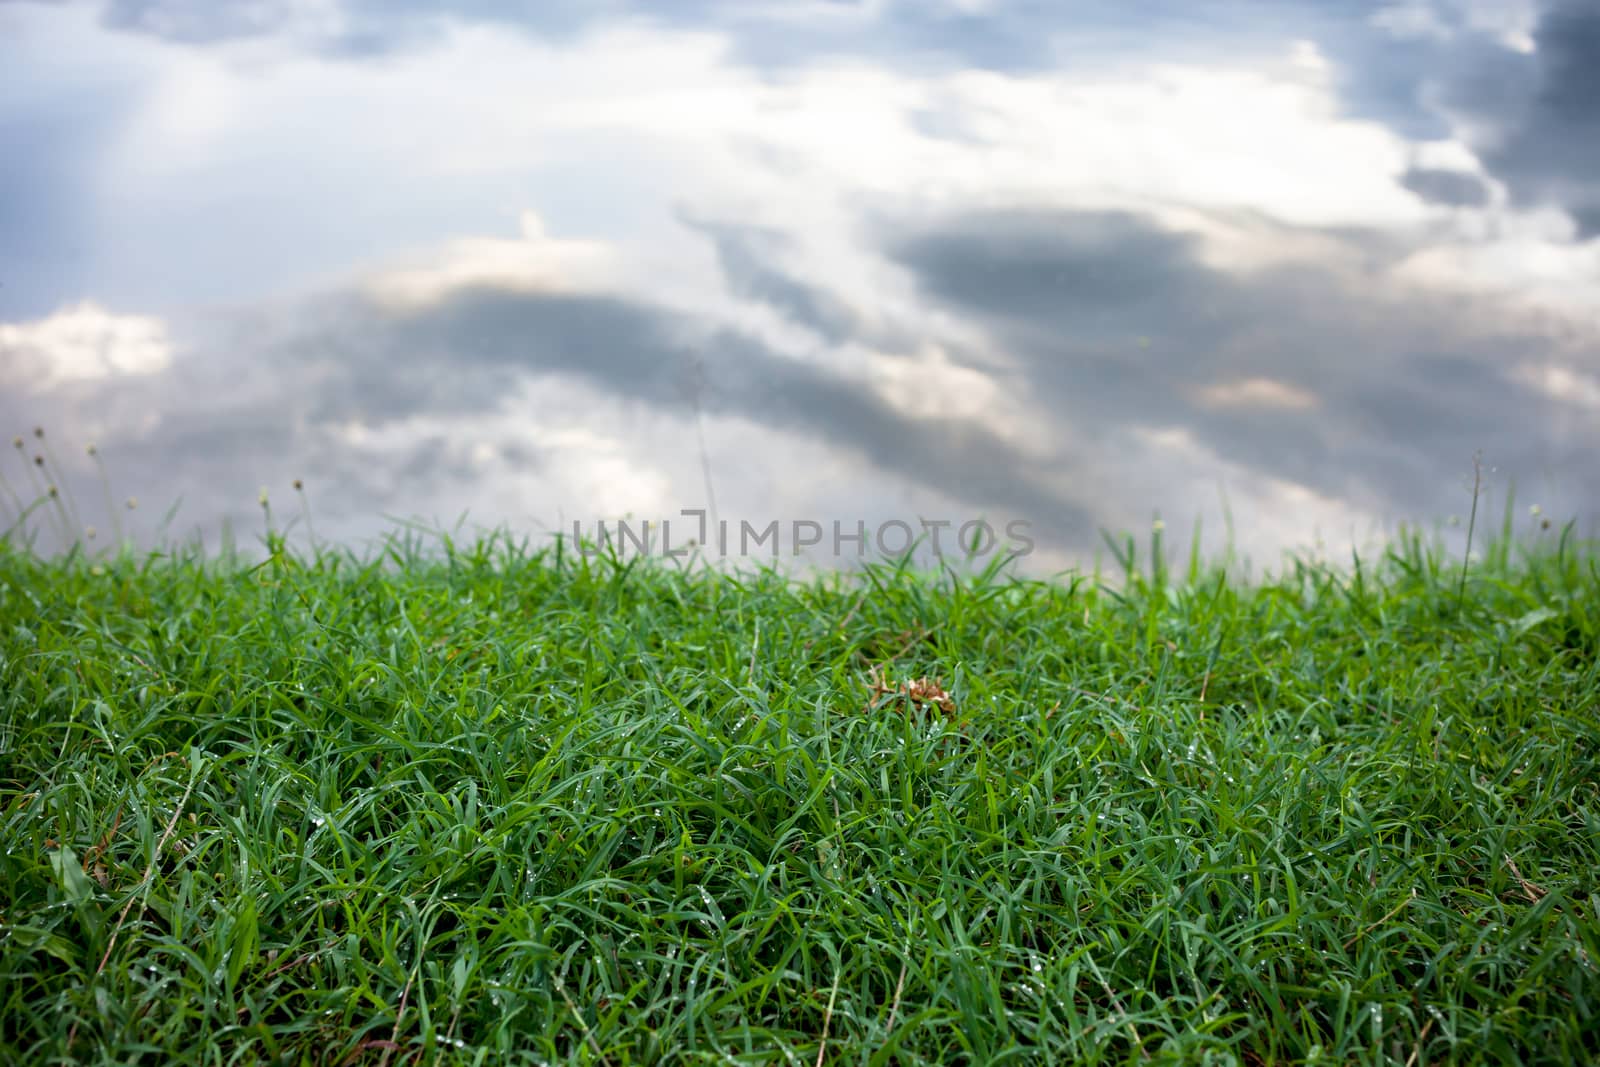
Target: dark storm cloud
[(640, 354), (270, 410), (1109, 323), (1114, 323), (1395, 78), (1550, 152), (1452, 188), (1101, 272), (1538, 113), (748, 258)]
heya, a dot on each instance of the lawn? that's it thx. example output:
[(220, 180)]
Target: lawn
[(499, 804)]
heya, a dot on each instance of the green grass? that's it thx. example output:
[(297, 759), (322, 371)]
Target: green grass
[(496, 805)]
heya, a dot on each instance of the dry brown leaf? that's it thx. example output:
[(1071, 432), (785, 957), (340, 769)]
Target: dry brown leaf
[(919, 691), (929, 691)]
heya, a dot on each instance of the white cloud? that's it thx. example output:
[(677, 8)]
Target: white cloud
[(544, 454), (330, 164), (1446, 155), (319, 167), (1564, 384), (929, 386), (81, 343), (535, 263), (1528, 261), (1256, 393), (1267, 515)]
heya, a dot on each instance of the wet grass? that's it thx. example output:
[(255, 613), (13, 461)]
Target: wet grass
[(490, 804)]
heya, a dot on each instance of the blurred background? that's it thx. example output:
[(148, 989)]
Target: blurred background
[(1280, 268)]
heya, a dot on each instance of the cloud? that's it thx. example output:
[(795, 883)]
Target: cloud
[(533, 262), (200, 21), (882, 254), (500, 398), (747, 256), (1515, 81), (360, 30), (1551, 150), (1452, 188), (617, 132), (1345, 382), (79, 344), (1567, 386), (637, 354), (1256, 393), (1010, 36)]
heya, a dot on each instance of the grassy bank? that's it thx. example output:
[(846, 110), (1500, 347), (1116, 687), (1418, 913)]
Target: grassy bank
[(492, 806)]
